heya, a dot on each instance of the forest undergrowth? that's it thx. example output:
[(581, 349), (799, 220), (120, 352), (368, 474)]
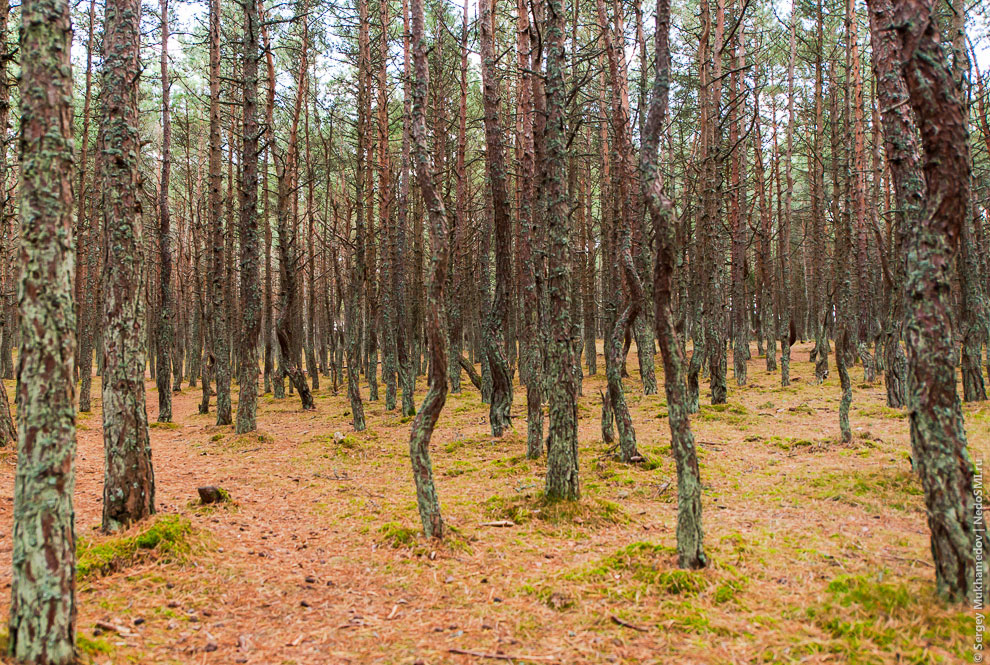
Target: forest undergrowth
[(819, 550)]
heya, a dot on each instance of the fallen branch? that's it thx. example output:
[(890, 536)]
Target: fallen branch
[(621, 622), (498, 656), (113, 628), (498, 523)]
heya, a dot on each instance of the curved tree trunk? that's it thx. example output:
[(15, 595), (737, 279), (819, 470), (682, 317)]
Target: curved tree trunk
[(436, 396), (690, 545), (494, 333)]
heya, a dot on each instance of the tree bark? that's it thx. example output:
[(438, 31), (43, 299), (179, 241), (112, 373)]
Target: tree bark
[(436, 396), (42, 622), (494, 332), (129, 479), (251, 304), (690, 545), (163, 366), (938, 439)]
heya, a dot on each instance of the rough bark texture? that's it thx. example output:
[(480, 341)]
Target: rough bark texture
[(250, 323), (532, 355), (562, 444), (690, 545), (217, 283), (42, 594), (937, 437), (129, 480), (494, 334), (163, 341), (286, 332), (436, 395)]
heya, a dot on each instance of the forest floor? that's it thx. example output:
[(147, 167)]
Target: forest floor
[(819, 551)]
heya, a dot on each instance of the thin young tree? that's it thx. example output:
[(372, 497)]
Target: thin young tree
[(129, 479), (42, 623), (163, 343)]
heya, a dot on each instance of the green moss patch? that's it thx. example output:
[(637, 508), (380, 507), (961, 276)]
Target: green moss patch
[(166, 538)]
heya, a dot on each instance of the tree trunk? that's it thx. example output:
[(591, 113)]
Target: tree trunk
[(42, 622), (429, 412), (251, 304), (494, 332), (690, 545), (163, 366), (931, 235), (129, 480), (562, 444)]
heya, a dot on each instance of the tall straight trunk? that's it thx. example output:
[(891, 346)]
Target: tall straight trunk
[(407, 373), (251, 304), (864, 318), (129, 480), (494, 331), (309, 333), (429, 412), (163, 365), (8, 432), (272, 380), (786, 322), (386, 196), (220, 358), (820, 307), (457, 263), (85, 286), (42, 622), (562, 445), (358, 269), (739, 213), (938, 204), (690, 545), (764, 242)]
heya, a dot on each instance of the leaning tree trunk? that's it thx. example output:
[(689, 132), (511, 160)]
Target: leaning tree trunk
[(931, 232), (129, 480), (623, 324), (436, 395), (690, 538), (43, 581)]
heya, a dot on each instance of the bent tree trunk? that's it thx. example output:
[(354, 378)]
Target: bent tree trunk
[(42, 595), (436, 325), (932, 229), (690, 538), (494, 333)]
